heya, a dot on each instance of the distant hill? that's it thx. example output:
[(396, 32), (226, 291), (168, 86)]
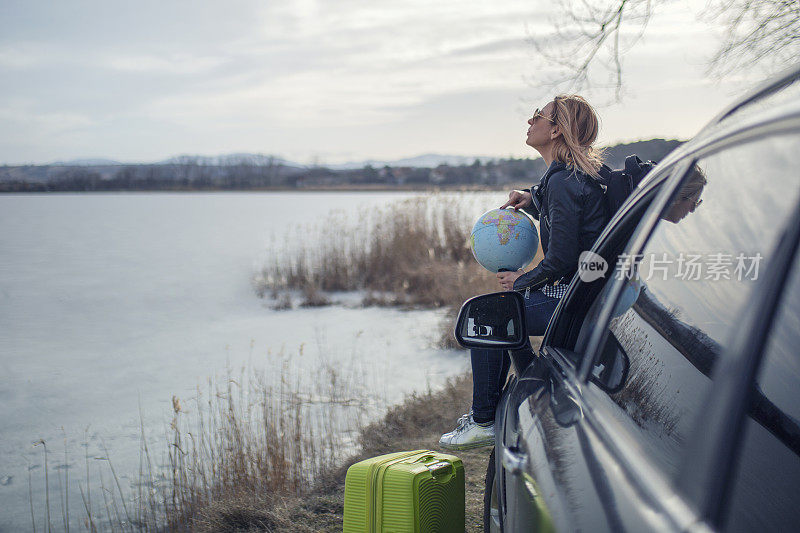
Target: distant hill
[(420, 161), (654, 150), (265, 172), (230, 160), (85, 163)]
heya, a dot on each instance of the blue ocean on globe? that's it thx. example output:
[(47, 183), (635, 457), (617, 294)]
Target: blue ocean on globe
[(504, 239)]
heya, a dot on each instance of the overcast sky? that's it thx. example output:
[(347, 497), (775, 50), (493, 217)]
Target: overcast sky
[(322, 81)]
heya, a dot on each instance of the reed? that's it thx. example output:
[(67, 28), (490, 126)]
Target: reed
[(412, 253), (256, 452), (254, 440)]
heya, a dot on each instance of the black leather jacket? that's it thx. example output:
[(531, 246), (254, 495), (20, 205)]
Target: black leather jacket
[(573, 214)]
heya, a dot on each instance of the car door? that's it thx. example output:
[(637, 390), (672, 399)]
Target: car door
[(761, 482), (613, 458)]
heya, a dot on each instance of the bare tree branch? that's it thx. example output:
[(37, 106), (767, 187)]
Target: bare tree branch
[(758, 32), (590, 38), (589, 34)]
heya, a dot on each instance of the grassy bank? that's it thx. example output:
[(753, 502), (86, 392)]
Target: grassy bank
[(246, 456), (416, 423), (248, 453)]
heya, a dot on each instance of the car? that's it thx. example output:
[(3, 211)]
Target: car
[(665, 394)]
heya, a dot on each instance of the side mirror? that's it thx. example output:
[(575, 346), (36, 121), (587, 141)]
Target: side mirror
[(610, 371), (494, 320)]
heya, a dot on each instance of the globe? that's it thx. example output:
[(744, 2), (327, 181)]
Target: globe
[(504, 239)]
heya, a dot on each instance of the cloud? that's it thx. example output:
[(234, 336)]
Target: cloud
[(191, 76), (15, 58), (22, 116), (172, 64)]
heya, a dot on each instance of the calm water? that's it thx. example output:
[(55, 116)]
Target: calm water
[(112, 303)]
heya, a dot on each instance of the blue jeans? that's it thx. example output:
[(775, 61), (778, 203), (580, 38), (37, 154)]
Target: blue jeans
[(490, 367)]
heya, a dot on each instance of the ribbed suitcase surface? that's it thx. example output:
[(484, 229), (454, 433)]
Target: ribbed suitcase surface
[(420, 491)]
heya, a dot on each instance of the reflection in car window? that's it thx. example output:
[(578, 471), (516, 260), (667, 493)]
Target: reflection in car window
[(685, 292), (767, 482)]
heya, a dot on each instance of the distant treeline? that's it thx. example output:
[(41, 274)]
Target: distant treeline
[(190, 173)]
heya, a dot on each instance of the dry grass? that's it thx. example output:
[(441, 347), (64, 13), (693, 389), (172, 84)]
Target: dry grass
[(412, 253), (416, 423), (246, 454), (645, 396), (236, 456), (256, 443)]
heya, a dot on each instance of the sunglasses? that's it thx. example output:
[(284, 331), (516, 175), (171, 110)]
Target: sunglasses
[(538, 114), (695, 203)]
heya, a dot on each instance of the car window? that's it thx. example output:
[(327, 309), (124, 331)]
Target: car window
[(767, 477), (683, 294)]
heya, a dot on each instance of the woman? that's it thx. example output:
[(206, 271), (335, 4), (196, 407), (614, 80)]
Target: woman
[(572, 215)]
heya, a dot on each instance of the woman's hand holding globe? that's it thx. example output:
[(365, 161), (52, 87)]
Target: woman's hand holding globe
[(517, 200), (507, 278)]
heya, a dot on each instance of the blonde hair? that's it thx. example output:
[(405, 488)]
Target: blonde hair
[(579, 126)]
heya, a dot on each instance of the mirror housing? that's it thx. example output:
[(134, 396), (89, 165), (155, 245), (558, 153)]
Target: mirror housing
[(495, 320)]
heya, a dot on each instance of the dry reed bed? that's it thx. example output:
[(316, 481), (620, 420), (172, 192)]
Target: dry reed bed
[(251, 438), (256, 442), (415, 423), (247, 455), (411, 253)]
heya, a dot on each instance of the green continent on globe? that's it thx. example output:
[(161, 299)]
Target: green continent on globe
[(505, 222)]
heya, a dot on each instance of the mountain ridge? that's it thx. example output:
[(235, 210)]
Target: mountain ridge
[(427, 160)]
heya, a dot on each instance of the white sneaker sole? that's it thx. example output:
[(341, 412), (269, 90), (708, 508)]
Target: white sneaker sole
[(468, 446)]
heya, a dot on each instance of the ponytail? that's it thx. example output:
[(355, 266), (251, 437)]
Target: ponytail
[(579, 126)]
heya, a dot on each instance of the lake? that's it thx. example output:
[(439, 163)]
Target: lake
[(110, 304)]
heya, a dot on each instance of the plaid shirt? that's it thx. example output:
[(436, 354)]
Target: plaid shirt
[(555, 291)]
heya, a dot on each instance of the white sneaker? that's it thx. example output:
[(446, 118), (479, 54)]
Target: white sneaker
[(468, 435)]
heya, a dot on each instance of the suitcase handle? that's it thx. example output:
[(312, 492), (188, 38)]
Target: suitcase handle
[(441, 469)]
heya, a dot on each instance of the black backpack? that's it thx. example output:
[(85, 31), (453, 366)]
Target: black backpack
[(620, 183)]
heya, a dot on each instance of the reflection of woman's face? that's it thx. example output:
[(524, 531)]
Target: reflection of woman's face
[(680, 208)]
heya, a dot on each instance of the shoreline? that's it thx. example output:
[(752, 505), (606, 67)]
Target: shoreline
[(342, 188)]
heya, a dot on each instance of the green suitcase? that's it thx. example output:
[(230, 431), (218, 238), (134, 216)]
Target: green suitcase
[(418, 492)]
